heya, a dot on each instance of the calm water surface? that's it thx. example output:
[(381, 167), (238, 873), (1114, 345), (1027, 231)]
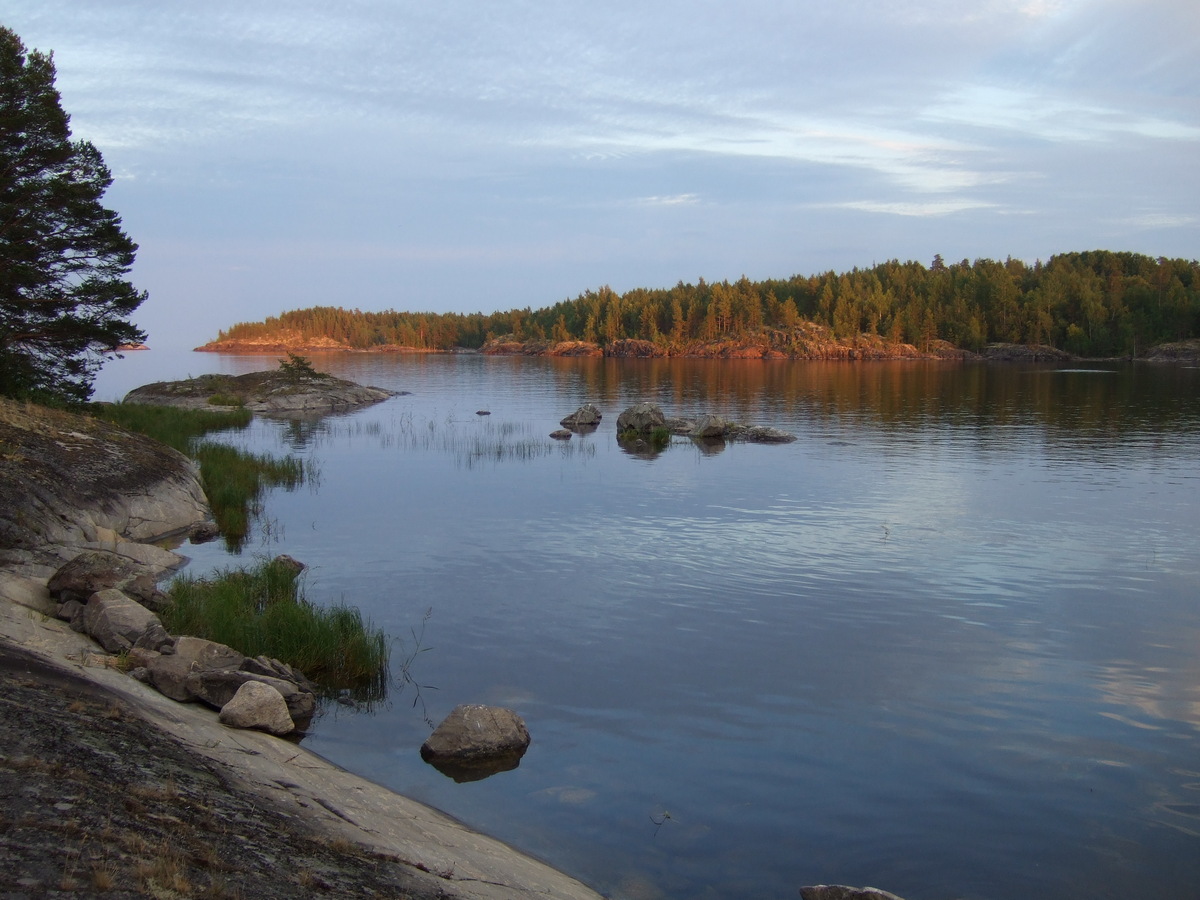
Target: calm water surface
[(946, 643)]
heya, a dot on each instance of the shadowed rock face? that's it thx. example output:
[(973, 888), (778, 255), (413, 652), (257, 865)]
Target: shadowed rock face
[(73, 480)]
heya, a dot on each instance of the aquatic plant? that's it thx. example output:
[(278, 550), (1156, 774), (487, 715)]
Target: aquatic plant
[(262, 610), (174, 426)]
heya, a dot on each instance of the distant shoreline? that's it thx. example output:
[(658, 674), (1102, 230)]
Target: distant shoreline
[(866, 348)]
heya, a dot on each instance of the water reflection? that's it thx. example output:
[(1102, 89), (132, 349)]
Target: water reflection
[(947, 641)]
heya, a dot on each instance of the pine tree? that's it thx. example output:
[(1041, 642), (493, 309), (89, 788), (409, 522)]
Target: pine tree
[(64, 298)]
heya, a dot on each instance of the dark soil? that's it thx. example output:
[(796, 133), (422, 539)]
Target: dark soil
[(96, 801)]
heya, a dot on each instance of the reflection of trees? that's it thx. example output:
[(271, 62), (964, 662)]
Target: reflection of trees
[(1140, 401)]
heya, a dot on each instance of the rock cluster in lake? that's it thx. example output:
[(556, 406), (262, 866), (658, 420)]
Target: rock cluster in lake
[(645, 418), (276, 392)]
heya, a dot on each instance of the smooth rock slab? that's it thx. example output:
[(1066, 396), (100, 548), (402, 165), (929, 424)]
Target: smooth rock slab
[(476, 741), (259, 706)]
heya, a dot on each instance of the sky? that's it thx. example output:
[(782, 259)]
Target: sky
[(476, 156)]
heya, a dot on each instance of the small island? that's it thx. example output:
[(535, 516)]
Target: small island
[(295, 387)]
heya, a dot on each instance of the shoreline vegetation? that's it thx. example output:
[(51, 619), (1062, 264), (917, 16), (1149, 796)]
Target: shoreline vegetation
[(259, 609), (1090, 305), (233, 480)]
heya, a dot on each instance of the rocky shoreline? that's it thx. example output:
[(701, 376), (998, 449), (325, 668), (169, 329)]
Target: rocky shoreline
[(107, 785), (811, 343)]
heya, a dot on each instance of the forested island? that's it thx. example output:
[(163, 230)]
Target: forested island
[(1091, 304)]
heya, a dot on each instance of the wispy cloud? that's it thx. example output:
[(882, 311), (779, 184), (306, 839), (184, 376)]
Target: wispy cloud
[(911, 208)]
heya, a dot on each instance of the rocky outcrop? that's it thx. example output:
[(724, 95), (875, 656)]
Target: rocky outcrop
[(631, 348), (274, 392), (1179, 352), (476, 741), (71, 482), (1024, 353)]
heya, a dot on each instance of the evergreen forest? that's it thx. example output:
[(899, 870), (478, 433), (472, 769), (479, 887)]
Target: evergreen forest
[(1091, 304)]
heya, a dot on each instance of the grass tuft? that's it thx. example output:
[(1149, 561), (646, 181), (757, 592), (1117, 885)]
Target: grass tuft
[(262, 611)]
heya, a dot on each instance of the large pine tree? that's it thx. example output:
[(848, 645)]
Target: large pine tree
[(65, 301)]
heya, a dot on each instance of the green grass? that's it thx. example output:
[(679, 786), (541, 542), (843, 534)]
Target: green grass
[(262, 610), (233, 479), (175, 427)]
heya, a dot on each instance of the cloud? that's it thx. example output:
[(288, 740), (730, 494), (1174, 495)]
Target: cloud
[(912, 208), (672, 200)]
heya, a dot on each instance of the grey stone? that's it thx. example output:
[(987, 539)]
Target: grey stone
[(114, 621), (709, 427), (763, 434), (98, 570), (259, 706), (642, 418), (476, 734), (265, 665), (561, 434), (169, 672), (154, 638), (587, 415), (70, 611), (290, 563), (216, 687)]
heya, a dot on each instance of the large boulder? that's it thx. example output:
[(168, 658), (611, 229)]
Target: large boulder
[(116, 622), (168, 673), (476, 741), (259, 706), (101, 570), (642, 418), (587, 416)]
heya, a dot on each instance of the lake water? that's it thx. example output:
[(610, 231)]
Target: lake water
[(946, 643)]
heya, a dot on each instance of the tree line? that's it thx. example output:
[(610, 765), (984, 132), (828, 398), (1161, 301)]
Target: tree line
[(1097, 303)]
